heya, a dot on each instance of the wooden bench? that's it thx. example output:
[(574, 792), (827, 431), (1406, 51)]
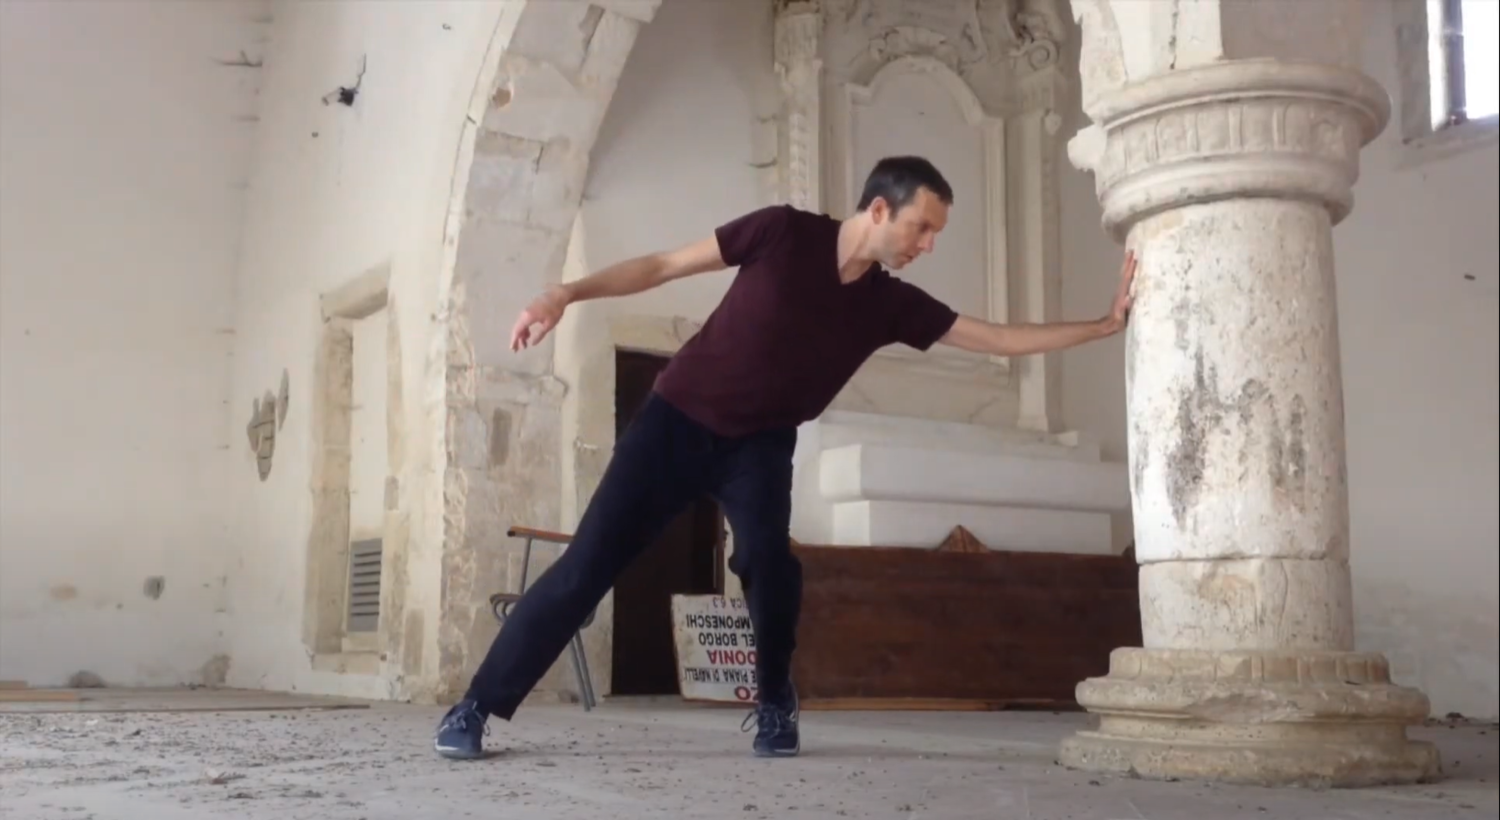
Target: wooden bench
[(960, 627)]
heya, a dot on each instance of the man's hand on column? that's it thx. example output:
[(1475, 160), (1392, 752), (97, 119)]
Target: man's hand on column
[(1119, 312)]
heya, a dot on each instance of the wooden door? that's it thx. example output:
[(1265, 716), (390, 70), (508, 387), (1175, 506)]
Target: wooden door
[(686, 559)]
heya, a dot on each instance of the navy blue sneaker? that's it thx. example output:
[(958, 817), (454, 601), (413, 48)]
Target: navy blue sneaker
[(461, 734), (776, 722)]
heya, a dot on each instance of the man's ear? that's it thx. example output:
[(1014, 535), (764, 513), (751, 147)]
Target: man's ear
[(879, 210)]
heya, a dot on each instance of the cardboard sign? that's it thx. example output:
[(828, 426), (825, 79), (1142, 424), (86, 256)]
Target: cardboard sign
[(715, 648)]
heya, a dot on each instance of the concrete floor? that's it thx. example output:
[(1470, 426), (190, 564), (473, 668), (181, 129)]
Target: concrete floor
[(105, 761)]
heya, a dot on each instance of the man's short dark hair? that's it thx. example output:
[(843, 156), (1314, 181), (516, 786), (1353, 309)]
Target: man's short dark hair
[(897, 180)]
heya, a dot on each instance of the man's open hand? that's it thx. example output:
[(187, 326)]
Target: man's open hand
[(546, 310), (1119, 312)]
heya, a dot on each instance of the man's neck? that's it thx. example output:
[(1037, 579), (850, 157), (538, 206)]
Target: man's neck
[(853, 257)]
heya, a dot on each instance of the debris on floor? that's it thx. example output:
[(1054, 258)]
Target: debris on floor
[(209, 754)]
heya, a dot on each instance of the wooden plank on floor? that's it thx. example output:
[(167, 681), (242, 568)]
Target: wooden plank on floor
[(900, 705), (166, 700), (37, 695), (929, 705)]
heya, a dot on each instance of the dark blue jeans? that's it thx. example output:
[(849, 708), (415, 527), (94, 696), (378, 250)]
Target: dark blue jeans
[(662, 464)]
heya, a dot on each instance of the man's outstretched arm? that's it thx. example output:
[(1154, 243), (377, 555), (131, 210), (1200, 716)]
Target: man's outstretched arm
[(620, 279), (981, 336), (646, 272)]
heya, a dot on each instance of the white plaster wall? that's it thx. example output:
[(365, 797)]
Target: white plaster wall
[(124, 151), (1421, 377), (369, 461), (675, 153), (1419, 341), (338, 191)]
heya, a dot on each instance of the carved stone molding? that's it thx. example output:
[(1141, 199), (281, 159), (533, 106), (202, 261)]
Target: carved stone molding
[(1267, 718), (799, 66), (1252, 128), (909, 41), (1238, 667)]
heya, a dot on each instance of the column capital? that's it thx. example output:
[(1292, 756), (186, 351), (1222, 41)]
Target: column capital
[(1236, 129)]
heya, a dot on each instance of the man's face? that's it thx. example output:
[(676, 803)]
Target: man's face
[(903, 236)]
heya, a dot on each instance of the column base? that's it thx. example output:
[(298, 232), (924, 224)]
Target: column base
[(1320, 719)]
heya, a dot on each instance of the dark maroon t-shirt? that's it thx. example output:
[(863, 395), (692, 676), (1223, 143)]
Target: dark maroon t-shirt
[(789, 333)]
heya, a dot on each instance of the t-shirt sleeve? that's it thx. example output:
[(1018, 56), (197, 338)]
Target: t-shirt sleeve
[(744, 239), (919, 320)]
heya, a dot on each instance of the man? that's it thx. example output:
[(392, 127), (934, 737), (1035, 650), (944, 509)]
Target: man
[(811, 302)]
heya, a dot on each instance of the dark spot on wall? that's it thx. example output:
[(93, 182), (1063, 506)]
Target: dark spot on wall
[(154, 587), (84, 679), (1288, 454), (1251, 393), (215, 671), (1140, 446), (345, 94), (1201, 413), (1139, 455), (1182, 317), (590, 24), (1197, 417), (499, 438)]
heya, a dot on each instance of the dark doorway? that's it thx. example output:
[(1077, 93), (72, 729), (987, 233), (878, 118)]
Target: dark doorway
[(685, 560)]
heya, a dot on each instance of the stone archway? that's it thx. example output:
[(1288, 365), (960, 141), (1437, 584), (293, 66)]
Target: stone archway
[(545, 85)]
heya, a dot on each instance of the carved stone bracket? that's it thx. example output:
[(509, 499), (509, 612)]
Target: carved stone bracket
[(1035, 45)]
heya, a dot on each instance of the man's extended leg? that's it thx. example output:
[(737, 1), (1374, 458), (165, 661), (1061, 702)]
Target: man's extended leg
[(754, 487), (659, 466)]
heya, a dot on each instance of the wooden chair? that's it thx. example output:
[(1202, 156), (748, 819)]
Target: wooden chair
[(501, 603)]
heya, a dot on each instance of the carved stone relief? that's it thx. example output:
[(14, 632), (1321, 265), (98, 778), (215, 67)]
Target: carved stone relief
[(917, 24), (1034, 39), (266, 415), (799, 29)]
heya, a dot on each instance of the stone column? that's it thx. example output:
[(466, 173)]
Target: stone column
[(1226, 179)]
